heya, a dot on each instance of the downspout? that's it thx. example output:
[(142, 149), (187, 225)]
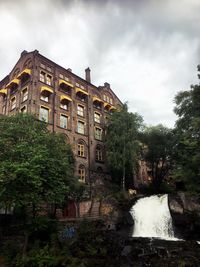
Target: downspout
[(89, 164)]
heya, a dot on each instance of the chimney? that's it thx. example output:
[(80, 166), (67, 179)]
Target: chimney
[(87, 75), (107, 85)]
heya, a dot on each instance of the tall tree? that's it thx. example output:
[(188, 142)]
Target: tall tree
[(35, 165), (122, 144), (188, 135), (158, 142)]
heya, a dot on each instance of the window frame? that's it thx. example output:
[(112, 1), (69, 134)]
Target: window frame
[(47, 109), (99, 153), (96, 136), (81, 173), (25, 108), (81, 149), (42, 76), (95, 117), (24, 95), (13, 103), (46, 78), (67, 118), (62, 106), (44, 98), (80, 112), (80, 123)]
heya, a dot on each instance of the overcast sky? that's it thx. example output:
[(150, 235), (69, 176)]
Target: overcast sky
[(148, 50)]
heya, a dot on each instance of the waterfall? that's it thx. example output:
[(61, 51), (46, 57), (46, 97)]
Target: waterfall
[(152, 218)]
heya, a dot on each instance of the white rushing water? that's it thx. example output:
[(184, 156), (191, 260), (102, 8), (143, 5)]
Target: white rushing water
[(152, 218)]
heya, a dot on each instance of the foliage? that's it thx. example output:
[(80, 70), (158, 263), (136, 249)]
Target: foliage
[(39, 257), (10, 251), (91, 247), (188, 137), (36, 166), (157, 150), (122, 145)]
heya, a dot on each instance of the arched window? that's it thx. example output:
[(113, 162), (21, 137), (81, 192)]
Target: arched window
[(97, 104), (99, 153), (81, 151), (81, 173), (45, 94), (65, 102)]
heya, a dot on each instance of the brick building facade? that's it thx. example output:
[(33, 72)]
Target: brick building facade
[(68, 103)]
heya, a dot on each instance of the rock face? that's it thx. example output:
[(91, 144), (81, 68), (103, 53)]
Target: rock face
[(139, 252), (185, 211)]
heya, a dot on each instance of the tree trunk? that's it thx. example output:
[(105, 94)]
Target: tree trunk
[(24, 252), (124, 169), (78, 209)]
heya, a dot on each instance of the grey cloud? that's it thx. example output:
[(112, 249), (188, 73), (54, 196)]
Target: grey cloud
[(140, 47)]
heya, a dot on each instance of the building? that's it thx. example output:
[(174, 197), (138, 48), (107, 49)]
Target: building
[(68, 103)]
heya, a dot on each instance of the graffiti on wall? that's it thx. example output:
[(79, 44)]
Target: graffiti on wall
[(67, 233)]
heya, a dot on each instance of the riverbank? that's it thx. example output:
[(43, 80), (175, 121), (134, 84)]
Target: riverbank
[(90, 246)]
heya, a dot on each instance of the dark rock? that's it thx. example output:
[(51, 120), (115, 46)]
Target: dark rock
[(126, 250), (185, 211)]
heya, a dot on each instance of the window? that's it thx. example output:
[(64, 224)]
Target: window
[(81, 97), (44, 114), (81, 173), (97, 105), (13, 103), (81, 149), (42, 76), (45, 78), (81, 127), (107, 99), (98, 133), (99, 153), (48, 79), (44, 97), (24, 94), (23, 109), (97, 117), (63, 121), (80, 110), (64, 105)]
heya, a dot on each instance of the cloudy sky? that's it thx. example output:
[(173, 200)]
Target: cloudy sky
[(148, 50)]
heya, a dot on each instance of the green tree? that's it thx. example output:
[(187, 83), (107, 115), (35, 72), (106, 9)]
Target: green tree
[(122, 145), (188, 137), (157, 143), (36, 166)]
